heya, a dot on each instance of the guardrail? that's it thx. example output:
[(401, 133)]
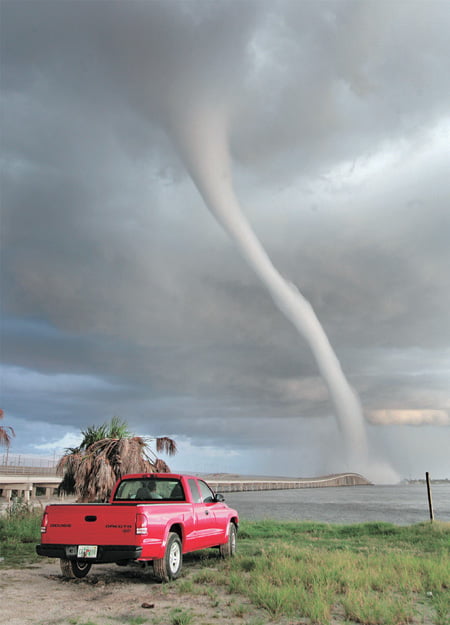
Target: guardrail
[(10, 469)]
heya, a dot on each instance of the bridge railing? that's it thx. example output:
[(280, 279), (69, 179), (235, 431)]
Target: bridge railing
[(10, 469)]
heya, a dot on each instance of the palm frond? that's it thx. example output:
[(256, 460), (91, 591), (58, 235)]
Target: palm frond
[(92, 434), (166, 445), (5, 436), (67, 485), (6, 432), (118, 428), (161, 466)]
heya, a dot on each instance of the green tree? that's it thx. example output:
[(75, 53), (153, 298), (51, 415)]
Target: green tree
[(106, 453), (6, 432)]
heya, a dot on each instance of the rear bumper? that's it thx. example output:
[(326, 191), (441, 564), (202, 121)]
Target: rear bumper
[(105, 553)]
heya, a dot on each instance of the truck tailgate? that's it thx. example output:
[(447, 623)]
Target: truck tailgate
[(91, 524)]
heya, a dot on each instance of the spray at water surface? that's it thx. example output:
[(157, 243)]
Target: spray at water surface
[(201, 136)]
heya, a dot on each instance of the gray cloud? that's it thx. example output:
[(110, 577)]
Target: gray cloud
[(113, 270)]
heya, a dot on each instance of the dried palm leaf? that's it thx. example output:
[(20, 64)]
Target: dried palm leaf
[(161, 466), (166, 445)]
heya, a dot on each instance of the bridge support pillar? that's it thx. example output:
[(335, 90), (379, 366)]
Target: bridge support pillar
[(6, 493)]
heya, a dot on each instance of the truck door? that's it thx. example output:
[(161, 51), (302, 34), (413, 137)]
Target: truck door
[(205, 525)]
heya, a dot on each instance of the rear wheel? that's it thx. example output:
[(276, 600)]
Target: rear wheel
[(228, 549), (169, 567), (74, 568)]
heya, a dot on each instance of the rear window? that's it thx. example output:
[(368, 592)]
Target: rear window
[(150, 489)]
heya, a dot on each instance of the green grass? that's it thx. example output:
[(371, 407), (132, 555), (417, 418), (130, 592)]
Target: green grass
[(19, 534), (178, 616), (374, 573)]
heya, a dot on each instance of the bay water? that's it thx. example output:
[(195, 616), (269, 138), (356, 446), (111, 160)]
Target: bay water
[(402, 504)]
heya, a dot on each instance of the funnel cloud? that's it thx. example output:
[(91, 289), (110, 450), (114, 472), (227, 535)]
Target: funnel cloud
[(202, 139)]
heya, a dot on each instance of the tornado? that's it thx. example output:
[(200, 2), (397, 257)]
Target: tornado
[(201, 136)]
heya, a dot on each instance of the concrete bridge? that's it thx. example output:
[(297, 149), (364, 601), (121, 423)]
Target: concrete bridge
[(41, 482), (27, 482), (225, 485)]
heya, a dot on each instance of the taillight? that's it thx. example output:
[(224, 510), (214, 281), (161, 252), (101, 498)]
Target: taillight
[(141, 524), (44, 523)]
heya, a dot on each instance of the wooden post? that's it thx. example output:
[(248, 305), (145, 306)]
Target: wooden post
[(430, 501)]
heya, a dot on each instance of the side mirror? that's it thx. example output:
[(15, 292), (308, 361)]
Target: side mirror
[(219, 497)]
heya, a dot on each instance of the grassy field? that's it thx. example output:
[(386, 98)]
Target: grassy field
[(371, 573)]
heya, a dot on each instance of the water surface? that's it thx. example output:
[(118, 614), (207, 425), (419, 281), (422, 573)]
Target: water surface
[(402, 504)]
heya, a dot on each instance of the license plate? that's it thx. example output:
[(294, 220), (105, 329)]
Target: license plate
[(87, 551)]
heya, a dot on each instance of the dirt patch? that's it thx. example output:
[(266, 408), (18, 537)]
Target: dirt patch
[(40, 595)]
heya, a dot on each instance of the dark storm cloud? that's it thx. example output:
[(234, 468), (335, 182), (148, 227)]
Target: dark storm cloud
[(112, 268)]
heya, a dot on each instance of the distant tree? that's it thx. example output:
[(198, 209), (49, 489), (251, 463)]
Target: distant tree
[(6, 432), (106, 453)]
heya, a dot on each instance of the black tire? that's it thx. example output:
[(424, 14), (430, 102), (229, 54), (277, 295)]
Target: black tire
[(228, 549), (169, 567), (74, 568)]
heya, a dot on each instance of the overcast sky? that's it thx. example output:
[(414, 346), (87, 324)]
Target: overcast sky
[(122, 295)]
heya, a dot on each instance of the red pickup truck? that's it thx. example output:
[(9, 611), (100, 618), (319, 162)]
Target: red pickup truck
[(154, 517)]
